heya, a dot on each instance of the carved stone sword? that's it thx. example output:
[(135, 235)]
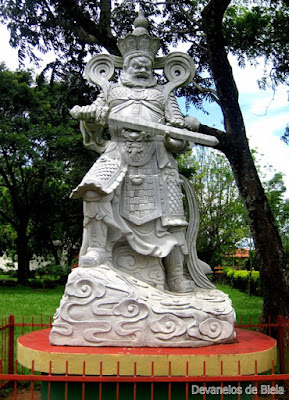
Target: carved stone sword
[(136, 124)]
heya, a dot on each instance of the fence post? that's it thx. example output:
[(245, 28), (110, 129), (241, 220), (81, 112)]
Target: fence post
[(286, 345), (11, 345), (281, 346)]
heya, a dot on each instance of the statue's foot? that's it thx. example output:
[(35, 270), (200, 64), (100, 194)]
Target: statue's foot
[(93, 258), (181, 285)]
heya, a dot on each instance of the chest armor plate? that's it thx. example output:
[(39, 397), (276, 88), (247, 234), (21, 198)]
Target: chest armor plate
[(137, 148), (124, 93)]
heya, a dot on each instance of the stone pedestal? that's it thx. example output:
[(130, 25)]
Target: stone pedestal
[(102, 306), (251, 352)]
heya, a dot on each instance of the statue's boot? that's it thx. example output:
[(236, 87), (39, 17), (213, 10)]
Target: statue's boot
[(174, 265), (97, 236), (94, 257)]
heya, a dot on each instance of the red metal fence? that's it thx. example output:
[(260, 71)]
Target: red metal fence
[(15, 378)]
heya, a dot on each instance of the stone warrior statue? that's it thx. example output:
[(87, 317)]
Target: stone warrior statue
[(139, 281), (133, 193)]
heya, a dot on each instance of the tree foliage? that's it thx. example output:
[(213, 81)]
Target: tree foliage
[(222, 214), (259, 30), (275, 190), (75, 29), (223, 221), (40, 161)]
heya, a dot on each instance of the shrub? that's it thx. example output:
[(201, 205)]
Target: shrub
[(35, 283), (42, 283), (50, 276), (240, 279), (7, 283), (12, 273)]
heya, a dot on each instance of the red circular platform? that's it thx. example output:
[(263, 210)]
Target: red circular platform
[(251, 352)]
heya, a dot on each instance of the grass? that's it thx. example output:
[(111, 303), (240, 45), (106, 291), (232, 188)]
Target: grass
[(7, 277), (25, 301)]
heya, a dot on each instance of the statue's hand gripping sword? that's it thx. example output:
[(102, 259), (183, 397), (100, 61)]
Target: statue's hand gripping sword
[(136, 124)]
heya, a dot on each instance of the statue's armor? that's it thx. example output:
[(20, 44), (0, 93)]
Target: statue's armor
[(151, 186), (137, 164)]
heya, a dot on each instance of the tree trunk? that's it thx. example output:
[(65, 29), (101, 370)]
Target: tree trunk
[(22, 256), (267, 240), (234, 145), (54, 251)]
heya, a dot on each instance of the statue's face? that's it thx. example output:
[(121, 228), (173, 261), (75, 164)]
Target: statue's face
[(140, 69)]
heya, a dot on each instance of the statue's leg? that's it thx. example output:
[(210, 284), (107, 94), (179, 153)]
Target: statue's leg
[(174, 265), (94, 250)]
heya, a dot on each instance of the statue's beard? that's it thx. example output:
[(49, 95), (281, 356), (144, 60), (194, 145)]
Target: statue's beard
[(127, 80)]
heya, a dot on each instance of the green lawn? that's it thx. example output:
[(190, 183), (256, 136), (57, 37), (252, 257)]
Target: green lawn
[(43, 302), (26, 301)]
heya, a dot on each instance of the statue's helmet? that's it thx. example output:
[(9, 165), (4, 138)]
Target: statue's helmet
[(139, 42)]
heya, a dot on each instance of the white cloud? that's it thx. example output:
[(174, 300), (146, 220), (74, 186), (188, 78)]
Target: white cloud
[(252, 99), (246, 78), (7, 54), (270, 102), (266, 114), (269, 146)]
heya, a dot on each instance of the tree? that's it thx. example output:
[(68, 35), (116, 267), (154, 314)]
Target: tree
[(213, 28), (40, 162), (235, 146), (275, 190), (222, 214)]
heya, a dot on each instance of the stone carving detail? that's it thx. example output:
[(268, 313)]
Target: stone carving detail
[(104, 307), (147, 269), (140, 281)]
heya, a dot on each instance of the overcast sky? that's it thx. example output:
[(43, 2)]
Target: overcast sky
[(265, 113)]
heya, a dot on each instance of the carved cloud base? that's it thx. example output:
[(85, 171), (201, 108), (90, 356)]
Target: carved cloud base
[(105, 307)]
